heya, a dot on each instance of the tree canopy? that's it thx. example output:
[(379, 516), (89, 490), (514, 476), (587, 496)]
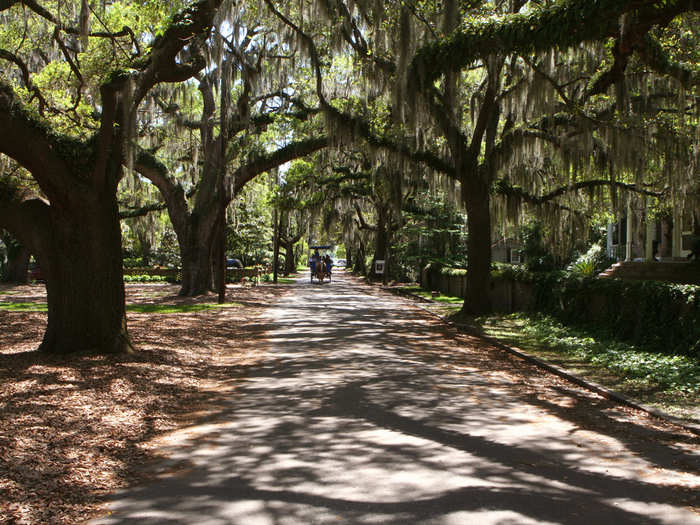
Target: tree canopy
[(163, 115)]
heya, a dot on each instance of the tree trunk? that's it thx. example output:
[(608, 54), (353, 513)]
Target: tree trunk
[(81, 259), (17, 265), (478, 296), (360, 264), (381, 241), (196, 234), (219, 258), (290, 263), (196, 268)]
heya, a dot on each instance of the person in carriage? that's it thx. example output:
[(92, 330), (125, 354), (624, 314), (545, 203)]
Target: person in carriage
[(317, 265), (329, 264), (316, 257)]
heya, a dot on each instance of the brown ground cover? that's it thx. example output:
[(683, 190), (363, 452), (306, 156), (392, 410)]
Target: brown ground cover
[(73, 429)]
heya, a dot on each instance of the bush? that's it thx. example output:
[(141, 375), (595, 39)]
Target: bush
[(453, 271), (133, 262), (145, 279), (537, 257), (662, 317), (594, 261)]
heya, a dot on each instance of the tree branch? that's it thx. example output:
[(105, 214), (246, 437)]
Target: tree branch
[(19, 208), (362, 225), (26, 77), (503, 187), (162, 65), (562, 25), (263, 163), (653, 55)]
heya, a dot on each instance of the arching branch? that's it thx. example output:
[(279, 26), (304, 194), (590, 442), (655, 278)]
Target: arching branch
[(505, 188), (562, 25), (653, 55), (162, 64), (26, 77), (260, 164), (362, 224)]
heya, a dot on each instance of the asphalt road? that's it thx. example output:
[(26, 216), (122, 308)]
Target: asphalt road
[(368, 411)]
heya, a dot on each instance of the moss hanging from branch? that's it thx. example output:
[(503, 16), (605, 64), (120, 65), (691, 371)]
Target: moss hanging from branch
[(564, 24)]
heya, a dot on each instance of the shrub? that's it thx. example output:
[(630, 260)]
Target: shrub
[(133, 262), (145, 279), (594, 261), (453, 271), (661, 316)]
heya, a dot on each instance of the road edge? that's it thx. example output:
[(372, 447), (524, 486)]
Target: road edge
[(585, 383)]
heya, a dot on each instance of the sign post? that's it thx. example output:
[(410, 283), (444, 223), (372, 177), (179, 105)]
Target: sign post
[(379, 266)]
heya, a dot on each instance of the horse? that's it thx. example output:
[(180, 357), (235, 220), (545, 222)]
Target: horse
[(320, 270)]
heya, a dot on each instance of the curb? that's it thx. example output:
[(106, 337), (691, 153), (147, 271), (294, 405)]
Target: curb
[(590, 385)]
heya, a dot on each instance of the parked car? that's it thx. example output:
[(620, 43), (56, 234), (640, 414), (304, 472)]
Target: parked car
[(233, 263), (340, 263)]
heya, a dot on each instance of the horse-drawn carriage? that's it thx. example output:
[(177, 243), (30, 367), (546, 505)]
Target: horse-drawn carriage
[(319, 269)]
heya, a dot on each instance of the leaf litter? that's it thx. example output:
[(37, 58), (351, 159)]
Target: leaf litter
[(75, 428)]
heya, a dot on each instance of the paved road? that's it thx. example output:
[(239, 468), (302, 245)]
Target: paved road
[(367, 411)]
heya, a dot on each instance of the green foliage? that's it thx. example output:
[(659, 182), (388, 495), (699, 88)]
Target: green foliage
[(453, 271), (145, 279), (249, 237), (133, 262), (537, 257), (660, 317), (433, 232), (649, 370), (594, 261), (178, 308)]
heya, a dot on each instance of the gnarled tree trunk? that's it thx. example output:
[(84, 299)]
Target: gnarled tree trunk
[(82, 263), (477, 201), (17, 265)]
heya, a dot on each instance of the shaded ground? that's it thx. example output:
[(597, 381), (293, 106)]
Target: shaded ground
[(74, 430), (672, 390), (365, 410)]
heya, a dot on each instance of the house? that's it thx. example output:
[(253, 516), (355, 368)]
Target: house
[(632, 238), (507, 250)]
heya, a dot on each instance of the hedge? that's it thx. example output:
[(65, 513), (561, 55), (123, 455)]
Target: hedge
[(657, 315)]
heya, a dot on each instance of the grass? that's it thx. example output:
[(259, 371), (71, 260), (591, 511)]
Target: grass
[(639, 370), (668, 382), (267, 279), (24, 307), (177, 308), (444, 299), (138, 308)]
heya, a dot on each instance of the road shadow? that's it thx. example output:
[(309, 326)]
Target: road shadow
[(366, 411)]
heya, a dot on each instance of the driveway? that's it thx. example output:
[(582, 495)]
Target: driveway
[(368, 411)]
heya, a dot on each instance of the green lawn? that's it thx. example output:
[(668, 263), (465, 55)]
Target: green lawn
[(138, 308), (23, 307), (637, 371), (444, 299), (177, 309)]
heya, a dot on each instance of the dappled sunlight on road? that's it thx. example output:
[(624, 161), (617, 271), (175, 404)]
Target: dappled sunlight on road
[(367, 411)]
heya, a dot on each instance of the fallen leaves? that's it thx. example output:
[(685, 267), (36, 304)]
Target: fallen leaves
[(73, 429)]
